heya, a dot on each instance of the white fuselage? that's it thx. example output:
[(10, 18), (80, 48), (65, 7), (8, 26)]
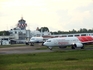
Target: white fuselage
[(36, 39), (69, 41), (65, 41)]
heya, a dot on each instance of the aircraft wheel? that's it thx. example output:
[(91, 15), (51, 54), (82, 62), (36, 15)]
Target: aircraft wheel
[(32, 44), (60, 47), (82, 47), (73, 47), (50, 48), (42, 44), (27, 43)]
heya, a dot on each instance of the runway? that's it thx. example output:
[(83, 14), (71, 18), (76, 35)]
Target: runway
[(32, 49), (22, 50)]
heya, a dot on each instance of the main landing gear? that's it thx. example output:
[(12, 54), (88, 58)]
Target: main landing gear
[(31, 44), (82, 47)]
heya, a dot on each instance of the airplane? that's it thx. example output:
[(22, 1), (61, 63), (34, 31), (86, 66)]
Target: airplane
[(63, 42), (35, 40)]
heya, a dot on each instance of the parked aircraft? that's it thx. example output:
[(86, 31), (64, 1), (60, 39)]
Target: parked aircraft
[(35, 40), (75, 42)]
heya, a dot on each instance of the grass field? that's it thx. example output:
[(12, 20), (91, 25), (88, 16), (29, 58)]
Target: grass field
[(58, 60)]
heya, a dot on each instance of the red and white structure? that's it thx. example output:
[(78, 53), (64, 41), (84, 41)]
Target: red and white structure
[(75, 42), (22, 24)]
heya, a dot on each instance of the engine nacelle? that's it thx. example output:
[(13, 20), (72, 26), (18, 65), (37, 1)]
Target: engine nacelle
[(79, 45)]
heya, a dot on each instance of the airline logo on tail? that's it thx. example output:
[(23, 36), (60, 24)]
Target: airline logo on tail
[(85, 38)]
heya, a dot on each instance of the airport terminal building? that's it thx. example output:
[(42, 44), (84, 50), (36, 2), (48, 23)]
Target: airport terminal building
[(20, 34)]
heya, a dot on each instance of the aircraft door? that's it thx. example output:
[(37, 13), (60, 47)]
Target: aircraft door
[(55, 42)]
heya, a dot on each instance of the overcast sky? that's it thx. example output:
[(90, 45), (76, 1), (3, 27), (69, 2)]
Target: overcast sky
[(63, 15)]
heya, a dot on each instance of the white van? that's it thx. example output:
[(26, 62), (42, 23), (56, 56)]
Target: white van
[(5, 41)]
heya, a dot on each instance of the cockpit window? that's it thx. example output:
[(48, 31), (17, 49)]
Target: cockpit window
[(48, 40), (32, 38)]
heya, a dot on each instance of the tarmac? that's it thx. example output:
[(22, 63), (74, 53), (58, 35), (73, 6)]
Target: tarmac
[(23, 50), (33, 49)]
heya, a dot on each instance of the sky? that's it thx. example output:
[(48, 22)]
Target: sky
[(63, 15)]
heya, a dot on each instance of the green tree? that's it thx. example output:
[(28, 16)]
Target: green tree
[(44, 29), (4, 33)]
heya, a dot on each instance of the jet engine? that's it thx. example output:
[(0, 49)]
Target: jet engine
[(78, 45)]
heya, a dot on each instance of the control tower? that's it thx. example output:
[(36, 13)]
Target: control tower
[(22, 24)]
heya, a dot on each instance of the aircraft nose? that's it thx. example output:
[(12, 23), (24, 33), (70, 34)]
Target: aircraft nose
[(32, 41), (45, 44)]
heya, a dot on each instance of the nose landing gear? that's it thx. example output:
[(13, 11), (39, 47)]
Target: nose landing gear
[(50, 48)]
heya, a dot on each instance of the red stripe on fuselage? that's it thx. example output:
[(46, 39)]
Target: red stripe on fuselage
[(85, 38)]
